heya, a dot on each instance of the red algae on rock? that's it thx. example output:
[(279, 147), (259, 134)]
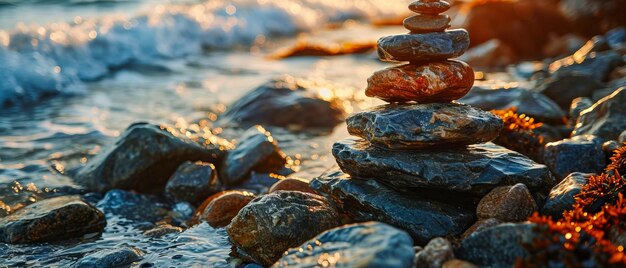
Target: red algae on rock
[(443, 81)]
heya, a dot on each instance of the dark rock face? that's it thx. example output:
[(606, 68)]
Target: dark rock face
[(606, 118), (440, 81), (599, 65), (114, 257), (370, 244), (497, 246), (578, 154), (563, 88), (434, 254), (143, 159), (134, 206), (285, 102), (507, 204), (273, 223), (257, 151), (423, 47), (526, 101), (420, 126), (193, 182), (578, 105), (368, 200), (476, 169), (561, 197), (51, 220)]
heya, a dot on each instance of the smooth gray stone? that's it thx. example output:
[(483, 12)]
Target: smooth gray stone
[(143, 158), (423, 47), (368, 200), (50, 220), (419, 126), (578, 154), (498, 246), (114, 257), (367, 245), (193, 182), (476, 169), (606, 118), (561, 197)]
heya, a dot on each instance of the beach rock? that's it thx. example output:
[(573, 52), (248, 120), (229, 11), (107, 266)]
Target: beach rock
[(273, 223), (419, 126), (592, 17), (434, 254), (480, 225), (578, 105), (50, 220), (427, 23), (429, 7), (162, 230), (507, 204), (606, 118), (370, 244), (220, 209), (609, 147), (476, 169), (143, 158), (259, 183), (292, 184), (114, 257), (578, 154), (526, 101), (491, 54), (286, 102), (524, 26), (135, 206), (596, 64), (257, 151), (562, 88), (454, 263), (423, 47), (193, 182), (441, 81), (367, 200), (561, 197), (497, 246)]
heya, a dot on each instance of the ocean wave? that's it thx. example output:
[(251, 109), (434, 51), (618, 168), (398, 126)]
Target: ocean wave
[(57, 58)]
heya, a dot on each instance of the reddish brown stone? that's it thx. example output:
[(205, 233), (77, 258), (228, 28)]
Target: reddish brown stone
[(291, 184), (432, 82), (219, 209), (427, 23), (429, 7)]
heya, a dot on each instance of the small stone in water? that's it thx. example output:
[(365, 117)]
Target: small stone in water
[(223, 207), (193, 182), (115, 257)]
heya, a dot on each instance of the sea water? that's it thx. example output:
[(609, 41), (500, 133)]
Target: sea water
[(74, 74)]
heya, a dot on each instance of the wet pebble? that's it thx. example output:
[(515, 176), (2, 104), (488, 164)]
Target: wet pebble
[(427, 23), (423, 47), (115, 257), (561, 197), (193, 182), (507, 204), (429, 7), (273, 223), (292, 184), (219, 209), (578, 154), (370, 244)]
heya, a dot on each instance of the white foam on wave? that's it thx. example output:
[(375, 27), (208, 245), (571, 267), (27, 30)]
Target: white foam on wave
[(36, 61)]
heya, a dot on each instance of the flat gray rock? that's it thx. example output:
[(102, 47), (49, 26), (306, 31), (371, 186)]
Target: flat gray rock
[(418, 126), (578, 154), (424, 47), (369, 200), (476, 169), (367, 245)]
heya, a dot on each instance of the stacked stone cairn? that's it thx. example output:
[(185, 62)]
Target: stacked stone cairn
[(423, 162)]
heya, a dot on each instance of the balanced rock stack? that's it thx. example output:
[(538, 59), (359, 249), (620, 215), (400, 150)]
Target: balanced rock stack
[(422, 162)]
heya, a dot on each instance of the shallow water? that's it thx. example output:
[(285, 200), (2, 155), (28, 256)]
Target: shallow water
[(58, 121)]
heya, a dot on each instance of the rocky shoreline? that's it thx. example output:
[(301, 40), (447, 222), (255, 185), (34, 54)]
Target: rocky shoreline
[(446, 174)]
